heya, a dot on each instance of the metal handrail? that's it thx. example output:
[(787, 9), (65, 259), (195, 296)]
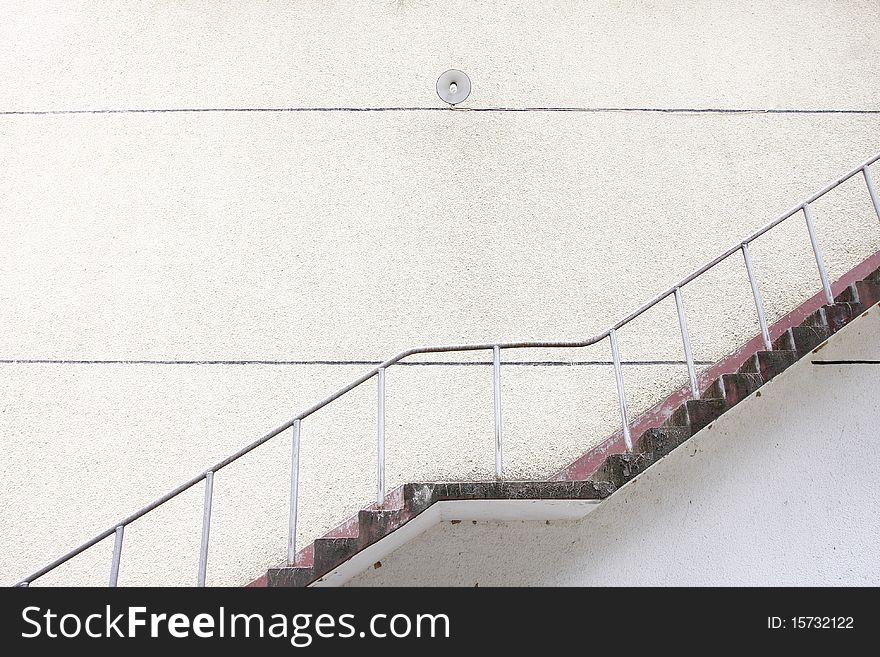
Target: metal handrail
[(379, 371)]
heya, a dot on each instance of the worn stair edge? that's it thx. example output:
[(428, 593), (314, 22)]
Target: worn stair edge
[(696, 414), (733, 388), (869, 292), (834, 316), (373, 524), (802, 339), (651, 446), (769, 364)]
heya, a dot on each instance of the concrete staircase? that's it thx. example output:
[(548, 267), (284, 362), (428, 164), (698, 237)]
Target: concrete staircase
[(604, 469)]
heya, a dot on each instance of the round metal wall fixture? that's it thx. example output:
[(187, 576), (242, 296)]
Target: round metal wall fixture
[(453, 86)]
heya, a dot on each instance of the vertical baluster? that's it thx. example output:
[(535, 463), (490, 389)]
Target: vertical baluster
[(686, 341), (117, 555), (206, 527), (380, 465), (496, 371), (869, 181), (621, 395), (817, 251), (756, 293), (294, 491)]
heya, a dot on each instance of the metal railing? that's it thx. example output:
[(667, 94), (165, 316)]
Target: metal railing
[(207, 476)]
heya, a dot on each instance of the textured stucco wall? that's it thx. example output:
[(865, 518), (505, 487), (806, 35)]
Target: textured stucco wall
[(309, 241), (782, 490), (377, 53)]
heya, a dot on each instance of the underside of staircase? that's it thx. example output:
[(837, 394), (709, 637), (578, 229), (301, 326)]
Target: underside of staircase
[(605, 468)]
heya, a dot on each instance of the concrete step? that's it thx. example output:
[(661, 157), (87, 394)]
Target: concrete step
[(696, 414), (330, 552), (660, 441), (290, 576), (838, 315), (835, 316), (869, 293), (848, 295), (802, 339), (650, 447), (618, 469), (733, 388), (769, 364), (374, 524), (419, 496)]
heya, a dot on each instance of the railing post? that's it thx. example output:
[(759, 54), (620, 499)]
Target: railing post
[(869, 181), (496, 376), (206, 527), (756, 293), (686, 340), (621, 395), (817, 251), (117, 555), (380, 465), (294, 486)]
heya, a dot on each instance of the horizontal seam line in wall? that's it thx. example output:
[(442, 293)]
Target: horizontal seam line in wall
[(549, 363), (846, 362), (663, 110)]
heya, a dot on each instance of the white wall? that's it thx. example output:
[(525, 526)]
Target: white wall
[(369, 53), (320, 238), (781, 490)]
